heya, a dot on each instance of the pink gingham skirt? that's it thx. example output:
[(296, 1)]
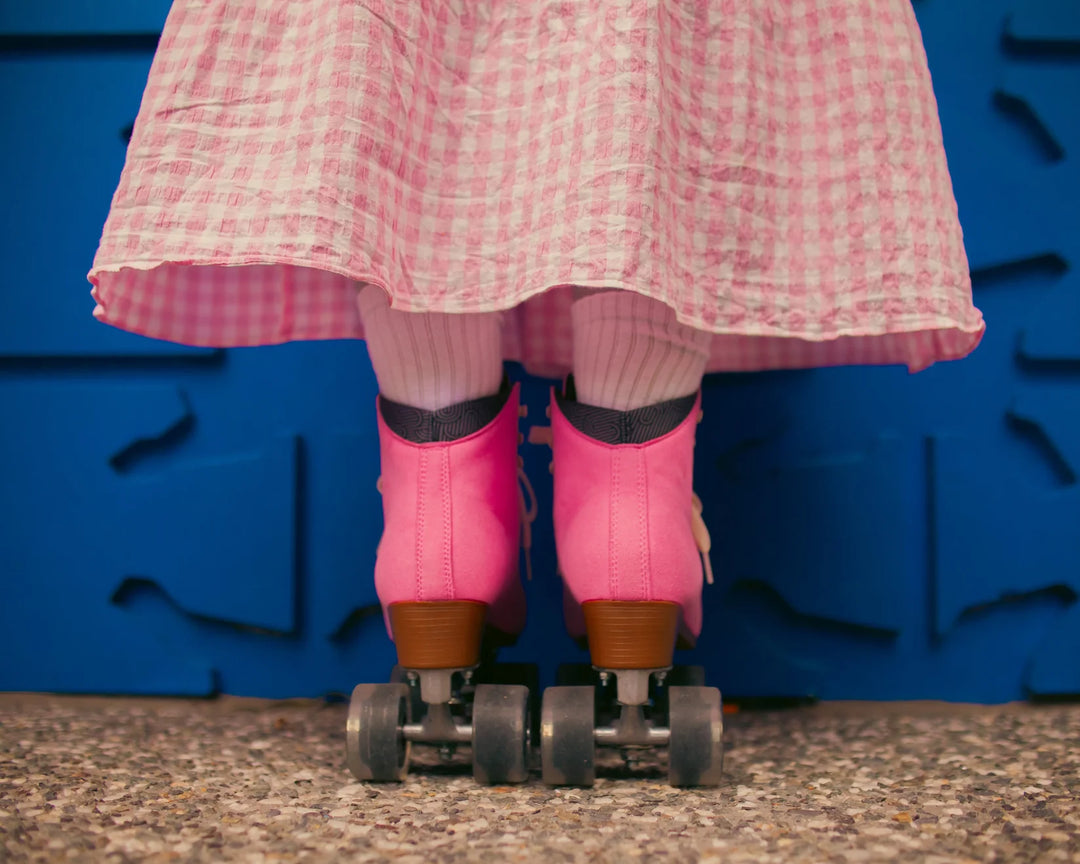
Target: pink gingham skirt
[(773, 171)]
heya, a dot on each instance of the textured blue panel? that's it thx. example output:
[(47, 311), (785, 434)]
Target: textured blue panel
[(60, 158), (1017, 197), (61, 542), (83, 16), (998, 536), (1055, 419), (827, 506), (1052, 332), (756, 625), (1021, 200), (341, 475), (1053, 669), (217, 535), (876, 535), (1045, 22)]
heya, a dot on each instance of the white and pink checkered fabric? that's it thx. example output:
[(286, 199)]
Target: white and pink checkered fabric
[(773, 171)]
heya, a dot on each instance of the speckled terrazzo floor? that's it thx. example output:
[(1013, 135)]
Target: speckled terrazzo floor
[(245, 780)]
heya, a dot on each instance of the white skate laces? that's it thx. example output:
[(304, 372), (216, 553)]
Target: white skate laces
[(701, 536)]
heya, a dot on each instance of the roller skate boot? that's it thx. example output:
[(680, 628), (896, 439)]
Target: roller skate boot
[(446, 574), (633, 554)]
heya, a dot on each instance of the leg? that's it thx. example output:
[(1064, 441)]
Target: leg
[(628, 532), (446, 568), (630, 351), (431, 361)]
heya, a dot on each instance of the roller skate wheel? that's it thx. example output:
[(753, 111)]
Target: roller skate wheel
[(567, 744), (375, 745), (500, 730), (525, 674), (696, 746), (398, 675)]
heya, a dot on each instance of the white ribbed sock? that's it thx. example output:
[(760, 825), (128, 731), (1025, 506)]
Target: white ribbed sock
[(431, 360), (630, 351)]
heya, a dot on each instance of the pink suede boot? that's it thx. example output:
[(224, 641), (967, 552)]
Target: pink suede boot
[(630, 540), (629, 534), (447, 566)]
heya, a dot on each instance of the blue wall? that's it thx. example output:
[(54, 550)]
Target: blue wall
[(182, 521)]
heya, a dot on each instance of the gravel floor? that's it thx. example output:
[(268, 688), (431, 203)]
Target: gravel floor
[(246, 780)]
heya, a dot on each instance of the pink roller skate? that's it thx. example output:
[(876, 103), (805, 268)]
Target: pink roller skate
[(630, 544), (446, 573)]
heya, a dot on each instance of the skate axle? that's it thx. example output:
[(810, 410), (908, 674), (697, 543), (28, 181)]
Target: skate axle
[(419, 733), (438, 727), (631, 728), (612, 736)]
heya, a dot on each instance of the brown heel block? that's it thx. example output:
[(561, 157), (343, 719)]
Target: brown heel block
[(438, 634), (631, 634)]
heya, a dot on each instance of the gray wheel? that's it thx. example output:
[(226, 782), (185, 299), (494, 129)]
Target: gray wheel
[(375, 745), (416, 704), (677, 676), (501, 733), (696, 750), (525, 674), (584, 675), (567, 745)]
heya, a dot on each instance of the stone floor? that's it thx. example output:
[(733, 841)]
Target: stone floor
[(245, 780)]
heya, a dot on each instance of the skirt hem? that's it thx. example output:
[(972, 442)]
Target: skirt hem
[(951, 337)]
